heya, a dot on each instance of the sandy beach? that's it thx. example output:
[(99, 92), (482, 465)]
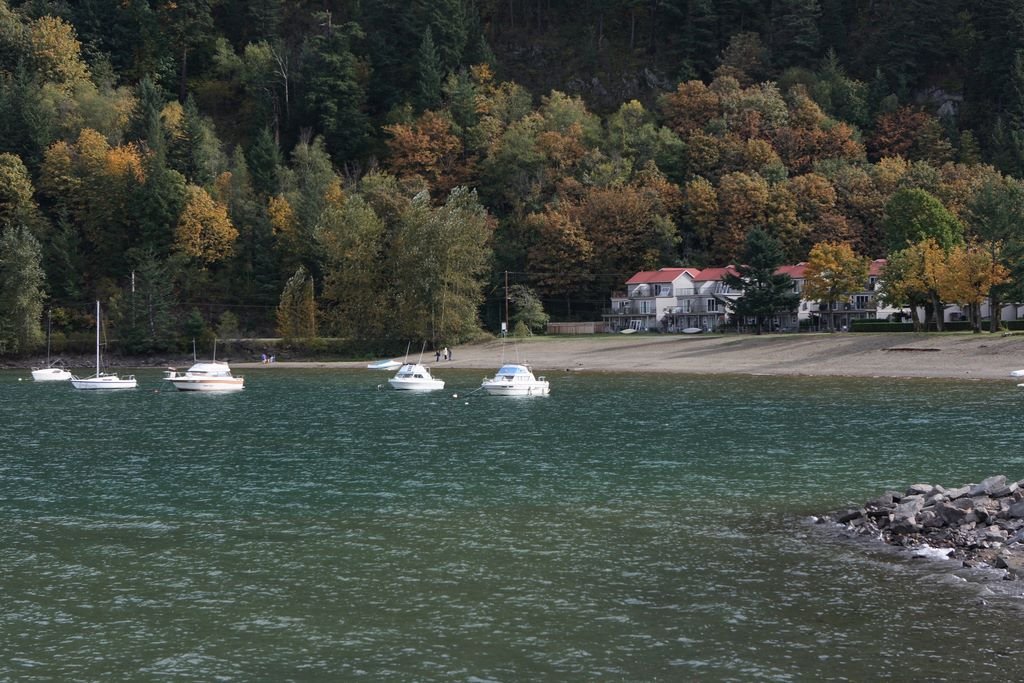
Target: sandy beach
[(982, 356)]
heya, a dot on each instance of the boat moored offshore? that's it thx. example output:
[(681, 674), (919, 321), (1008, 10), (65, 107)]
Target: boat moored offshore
[(205, 376), (515, 380)]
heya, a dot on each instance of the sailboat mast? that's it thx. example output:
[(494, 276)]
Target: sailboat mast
[(48, 337), (97, 338)]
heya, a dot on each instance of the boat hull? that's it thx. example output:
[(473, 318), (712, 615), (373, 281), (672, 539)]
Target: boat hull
[(50, 375), (502, 389), (207, 384), (416, 384), (104, 382)]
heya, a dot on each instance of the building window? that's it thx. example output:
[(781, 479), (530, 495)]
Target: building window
[(861, 301), (712, 305), (645, 307)]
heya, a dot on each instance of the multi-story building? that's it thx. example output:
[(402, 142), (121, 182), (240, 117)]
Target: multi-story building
[(691, 299)]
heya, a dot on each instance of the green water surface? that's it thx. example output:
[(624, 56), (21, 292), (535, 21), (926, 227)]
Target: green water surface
[(627, 527)]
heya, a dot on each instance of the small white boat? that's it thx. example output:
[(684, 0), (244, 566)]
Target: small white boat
[(49, 373), (415, 377), (384, 365), (1017, 373), (205, 376), (102, 380), (515, 380)]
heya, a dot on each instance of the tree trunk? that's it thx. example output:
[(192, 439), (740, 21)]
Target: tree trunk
[(937, 309), (995, 317), (915, 317)]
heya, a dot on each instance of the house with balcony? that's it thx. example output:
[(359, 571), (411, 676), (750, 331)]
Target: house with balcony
[(706, 305), (860, 305), (649, 295), (677, 299)]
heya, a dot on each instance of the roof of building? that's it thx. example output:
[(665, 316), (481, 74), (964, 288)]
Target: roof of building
[(796, 272), (660, 275), (708, 274)]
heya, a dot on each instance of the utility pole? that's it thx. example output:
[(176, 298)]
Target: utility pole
[(506, 302)]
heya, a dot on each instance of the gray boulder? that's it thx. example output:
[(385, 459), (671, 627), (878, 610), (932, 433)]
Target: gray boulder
[(953, 494), (849, 515), (1012, 563), (952, 515), (989, 485)]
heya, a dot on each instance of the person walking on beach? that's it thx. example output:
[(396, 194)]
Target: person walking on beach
[(437, 355), (444, 353)]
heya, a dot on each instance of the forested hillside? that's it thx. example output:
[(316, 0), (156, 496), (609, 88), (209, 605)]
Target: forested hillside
[(377, 170)]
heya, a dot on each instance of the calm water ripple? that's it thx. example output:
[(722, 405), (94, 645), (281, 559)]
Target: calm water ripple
[(314, 527)]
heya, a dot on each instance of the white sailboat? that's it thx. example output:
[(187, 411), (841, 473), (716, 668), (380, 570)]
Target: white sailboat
[(102, 380), (49, 373)]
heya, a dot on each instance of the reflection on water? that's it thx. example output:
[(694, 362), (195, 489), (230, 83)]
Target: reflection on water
[(626, 527)]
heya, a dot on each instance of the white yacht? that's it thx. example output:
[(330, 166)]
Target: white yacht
[(515, 380), (205, 376), (415, 377)]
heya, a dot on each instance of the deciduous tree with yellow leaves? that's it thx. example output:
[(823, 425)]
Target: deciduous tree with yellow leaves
[(834, 271), (204, 229)]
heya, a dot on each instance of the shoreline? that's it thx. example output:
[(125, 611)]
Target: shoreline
[(951, 355), (956, 355)]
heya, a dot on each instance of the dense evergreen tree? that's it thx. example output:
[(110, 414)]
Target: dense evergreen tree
[(429, 67), (22, 283), (265, 163), (334, 92), (796, 37), (765, 292)]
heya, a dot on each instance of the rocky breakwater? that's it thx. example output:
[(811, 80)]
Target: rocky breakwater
[(982, 525)]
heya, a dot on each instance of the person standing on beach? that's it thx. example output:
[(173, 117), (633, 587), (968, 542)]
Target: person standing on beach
[(437, 355)]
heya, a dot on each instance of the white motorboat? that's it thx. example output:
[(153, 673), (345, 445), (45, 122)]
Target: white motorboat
[(415, 377), (49, 373), (102, 380), (515, 380), (206, 376)]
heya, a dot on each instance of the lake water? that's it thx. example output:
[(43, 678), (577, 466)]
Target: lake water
[(627, 527)]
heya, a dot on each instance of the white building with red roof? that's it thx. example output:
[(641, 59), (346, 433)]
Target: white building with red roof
[(649, 295), (692, 299)]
